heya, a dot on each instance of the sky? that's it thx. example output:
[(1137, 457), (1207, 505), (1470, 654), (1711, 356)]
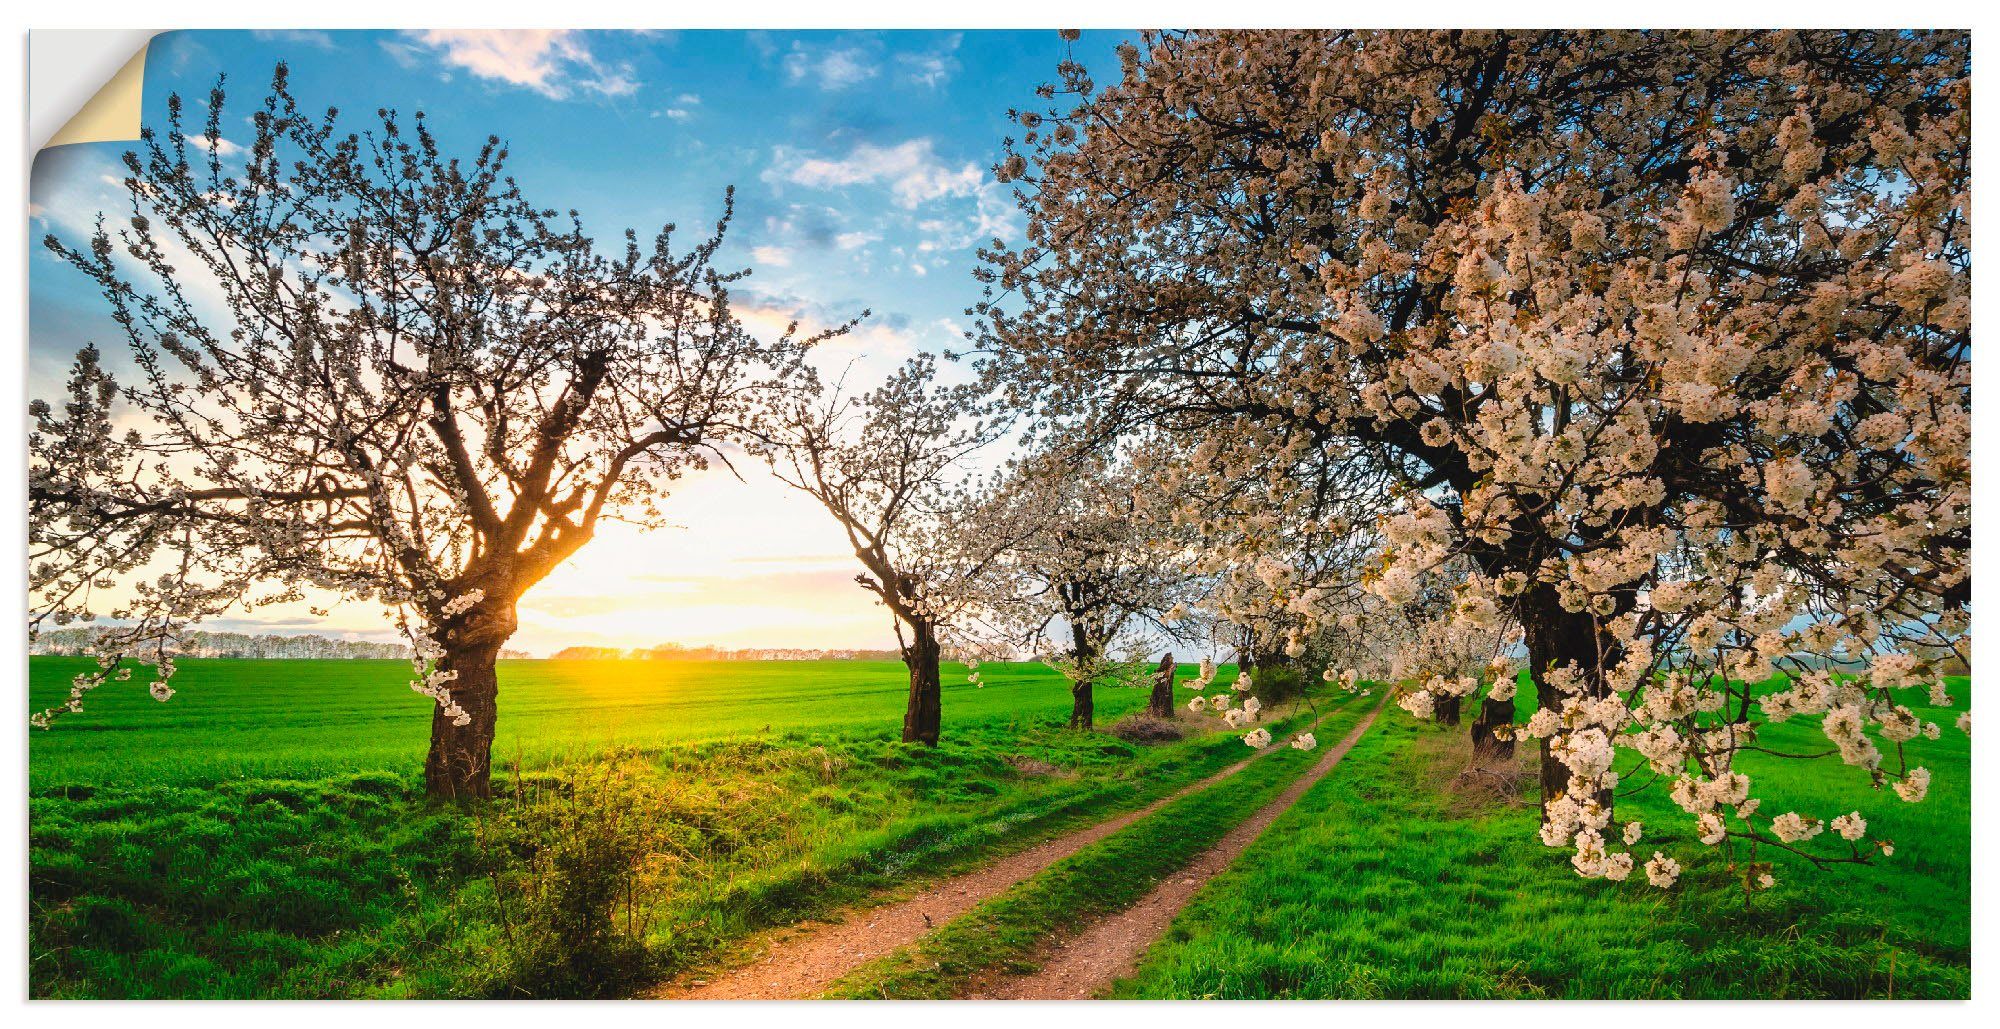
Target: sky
[(861, 162)]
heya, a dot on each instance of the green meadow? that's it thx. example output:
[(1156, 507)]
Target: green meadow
[(237, 718), (1388, 880), (264, 834)]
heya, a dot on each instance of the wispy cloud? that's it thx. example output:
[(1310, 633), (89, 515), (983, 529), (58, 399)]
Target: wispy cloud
[(813, 226), (879, 342), (931, 68), (220, 147), (912, 170), (681, 109), (830, 68), (556, 63)]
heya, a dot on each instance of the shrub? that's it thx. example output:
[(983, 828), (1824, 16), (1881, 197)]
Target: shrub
[(1272, 684), (576, 860)]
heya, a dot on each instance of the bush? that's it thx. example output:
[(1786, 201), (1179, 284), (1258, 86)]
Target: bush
[(1272, 684), (575, 859)]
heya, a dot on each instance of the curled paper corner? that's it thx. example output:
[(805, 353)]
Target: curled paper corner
[(64, 67)]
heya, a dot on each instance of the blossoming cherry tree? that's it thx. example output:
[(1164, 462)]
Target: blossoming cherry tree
[(357, 366)]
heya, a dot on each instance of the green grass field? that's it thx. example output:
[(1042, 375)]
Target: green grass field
[(231, 719), (1101, 879), (264, 833), (1385, 882)]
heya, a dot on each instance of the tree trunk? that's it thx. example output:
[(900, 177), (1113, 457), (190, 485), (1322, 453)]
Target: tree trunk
[(1249, 655), (1488, 749), (1161, 703), (1446, 710), (460, 764), (925, 711), (1082, 705), (1555, 638)]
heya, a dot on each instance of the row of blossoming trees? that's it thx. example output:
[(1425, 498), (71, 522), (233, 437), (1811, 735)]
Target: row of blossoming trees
[(1660, 341), (1638, 362)]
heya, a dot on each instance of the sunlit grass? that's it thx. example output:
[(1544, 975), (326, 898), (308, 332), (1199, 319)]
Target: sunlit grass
[(1383, 882), (156, 870), (311, 718), (264, 834), (1106, 877)]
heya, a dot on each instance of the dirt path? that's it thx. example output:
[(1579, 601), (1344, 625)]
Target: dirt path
[(808, 959), (1084, 965)]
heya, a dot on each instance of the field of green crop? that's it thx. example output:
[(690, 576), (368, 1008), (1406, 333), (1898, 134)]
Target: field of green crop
[(264, 833), (1385, 881), (231, 719)]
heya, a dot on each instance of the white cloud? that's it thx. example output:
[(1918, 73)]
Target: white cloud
[(777, 257), (853, 240), (912, 170), (832, 68), (933, 68), (221, 147), (611, 82), (552, 62), (409, 55), (873, 347), (916, 178), (869, 351)]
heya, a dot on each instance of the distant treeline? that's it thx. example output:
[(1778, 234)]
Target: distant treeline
[(680, 652), (77, 642)]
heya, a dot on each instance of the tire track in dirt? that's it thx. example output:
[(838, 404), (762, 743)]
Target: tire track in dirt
[(1083, 965), (805, 961)]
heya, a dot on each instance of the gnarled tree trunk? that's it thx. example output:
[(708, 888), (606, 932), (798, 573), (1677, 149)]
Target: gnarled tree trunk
[(1446, 710), (1488, 749), (460, 763), (1161, 703), (1082, 705), (1556, 638), (924, 714)]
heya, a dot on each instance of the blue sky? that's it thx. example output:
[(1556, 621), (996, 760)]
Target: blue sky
[(861, 162), (861, 159)]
